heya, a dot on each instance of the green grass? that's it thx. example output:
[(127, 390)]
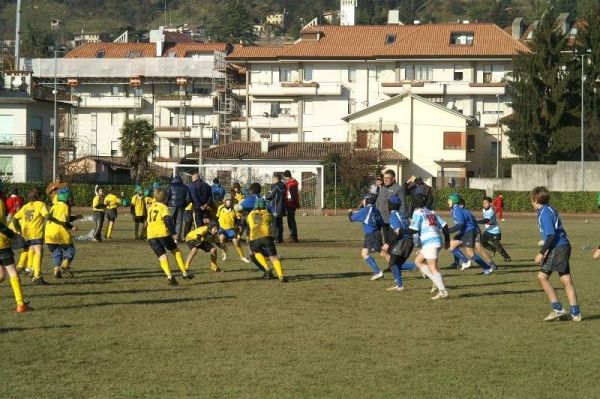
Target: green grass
[(118, 331)]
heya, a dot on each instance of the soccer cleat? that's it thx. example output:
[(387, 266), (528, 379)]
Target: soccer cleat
[(465, 265), (377, 276), (453, 266), (172, 281), (555, 315), (39, 281), (440, 295), (267, 275), (23, 308), (434, 288), (216, 269), (576, 317), (245, 260), (57, 272), (395, 288), (187, 276), (28, 271), (284, 280), (66, 271)]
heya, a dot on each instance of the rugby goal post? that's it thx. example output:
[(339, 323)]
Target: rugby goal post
[(310, 178)]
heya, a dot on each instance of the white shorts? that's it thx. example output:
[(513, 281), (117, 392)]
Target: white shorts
[(430, 252)]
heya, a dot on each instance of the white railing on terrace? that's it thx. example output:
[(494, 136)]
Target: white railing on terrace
[(122, 67)]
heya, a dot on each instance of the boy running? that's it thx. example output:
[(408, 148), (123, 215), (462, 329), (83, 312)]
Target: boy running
[(29, 221), (138, 212), (490, 239), (401, 243), (7, 263), (161, 236), (203, 238), (228, 218), (58, 236), (554, 255), (372, 222), (112, 202)]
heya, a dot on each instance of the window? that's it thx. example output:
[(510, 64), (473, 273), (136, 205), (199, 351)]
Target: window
[(453, 141), (285, 109), (173, 150), (6, 166), (308, 107), (6, 128), (462, 38), (308, 74), (458, 72), (138, 91), (487, 73), (285, 75), (172, 119), (100, 54), (275, 109), (387, 140), (351, 73), (34, 169), (491, 106), (116, 90), (115, 118), (362, 139), (418, 72), (390, 38), (471, 143), (493, 148), (351, 105), (134, 54)]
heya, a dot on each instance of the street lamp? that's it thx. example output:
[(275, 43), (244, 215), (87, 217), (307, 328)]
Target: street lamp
[(55, 138), (200, 160)]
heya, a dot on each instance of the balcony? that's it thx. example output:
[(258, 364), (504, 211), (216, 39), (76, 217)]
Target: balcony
[(280, 122), (239, 90), (189, 101), (239, 122), (489, 119), (30, 141), (111, 102), (443, 88), (295, 89), (174, 132), (201, 102)]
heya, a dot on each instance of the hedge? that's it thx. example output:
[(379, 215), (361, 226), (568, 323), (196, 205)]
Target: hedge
[(519, 201)]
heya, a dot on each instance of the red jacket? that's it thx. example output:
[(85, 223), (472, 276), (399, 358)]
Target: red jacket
[(292, 200), (498, 203), (13, 204)]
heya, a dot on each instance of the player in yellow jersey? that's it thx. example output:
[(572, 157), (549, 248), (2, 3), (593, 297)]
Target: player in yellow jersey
[(161, 236), (148, 198), (99, 213), (29, 221), (58, 235), (112, 202), (238, 197), (228, 219), (259, 223), (7, 265), (203, 238), (138, 212)]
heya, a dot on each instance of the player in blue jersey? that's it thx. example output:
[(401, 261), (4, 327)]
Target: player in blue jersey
[(430, 228), (491, 237), (372, 222), (466, 229), (401, 241), (554, 255)]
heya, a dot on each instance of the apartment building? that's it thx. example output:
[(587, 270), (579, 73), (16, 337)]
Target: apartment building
[(308, 91)]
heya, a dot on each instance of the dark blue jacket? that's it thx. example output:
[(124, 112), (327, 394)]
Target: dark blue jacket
[(201, 193), (277, 198), (178, 194)]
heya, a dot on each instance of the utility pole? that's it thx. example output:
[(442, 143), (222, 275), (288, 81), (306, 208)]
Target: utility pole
[(498, 138), (17, 36), (379, 145)]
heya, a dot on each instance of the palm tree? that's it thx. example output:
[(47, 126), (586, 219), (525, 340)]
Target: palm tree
[(137, 144)]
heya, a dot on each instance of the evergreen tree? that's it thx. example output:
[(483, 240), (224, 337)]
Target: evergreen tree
[(233, 24), (544, 127), (137, 145)]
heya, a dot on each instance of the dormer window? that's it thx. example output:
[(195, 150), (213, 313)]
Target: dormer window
[(134, 54), (390, 38), (462, 38), (100, 54)]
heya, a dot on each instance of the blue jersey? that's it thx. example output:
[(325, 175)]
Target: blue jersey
[(429, 227), (248, 203), (550, 225), (491, 227), (370, 217), (464, 218), (399, 221)]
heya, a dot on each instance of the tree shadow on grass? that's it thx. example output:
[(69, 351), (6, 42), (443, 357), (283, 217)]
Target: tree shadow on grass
[(143, 302), (91, 293), (326, 276), (458, 286), (496, 293), (13, 329), (594, 317)]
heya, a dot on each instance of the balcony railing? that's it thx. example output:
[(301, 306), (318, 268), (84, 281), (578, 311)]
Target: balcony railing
[(35, 140), (111, 102), (443, 88), (281, 121), (295, 89)]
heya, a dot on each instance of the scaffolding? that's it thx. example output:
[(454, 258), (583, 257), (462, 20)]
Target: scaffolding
[(225, 105)]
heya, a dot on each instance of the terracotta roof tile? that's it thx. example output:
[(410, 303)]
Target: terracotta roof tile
[(186, 49), (121, 50), (297, 151), (369, 41)]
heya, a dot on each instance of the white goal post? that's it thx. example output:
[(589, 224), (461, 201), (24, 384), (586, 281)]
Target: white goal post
[(310, 178)]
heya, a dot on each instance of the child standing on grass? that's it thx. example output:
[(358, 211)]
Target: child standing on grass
[(99, 213), (58, 236), (112, 202), (138, 212), (372, 222), (554, 256), (29, 221)]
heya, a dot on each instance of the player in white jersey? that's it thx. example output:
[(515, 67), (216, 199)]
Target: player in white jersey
[(490, 239), (430, 228)]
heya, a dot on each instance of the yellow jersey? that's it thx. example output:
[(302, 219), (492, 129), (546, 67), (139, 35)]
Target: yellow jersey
[(5, 241), (98, 200), (56, 233), (227, 217), (259, 222), (138, 203), (157, 227), (31, 218), (190, 206), (112, 201), (2, 212), (239, 197), (199, 234)]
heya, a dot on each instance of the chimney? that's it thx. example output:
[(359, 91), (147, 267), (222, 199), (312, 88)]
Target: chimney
[(517, 28), (264, 143), (417, 22), (158, 36), (563, 23), (393, 17)]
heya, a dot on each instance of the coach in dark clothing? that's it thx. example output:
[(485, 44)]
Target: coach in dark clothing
[(178, 197), (388, 189), (276, 200), (201, 194), (292, 203)]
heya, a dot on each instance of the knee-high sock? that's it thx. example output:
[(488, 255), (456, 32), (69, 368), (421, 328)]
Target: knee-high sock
[(425, 270), (16, 286), (23, 259), (278, 268), (260, 258), (213, 262), (164, 264), (373, 264), (257, 263), (397, 273), (37, 265), (179, 260), (459, 255), (239, 251), (437, 280), (477, 259), (110, 229)]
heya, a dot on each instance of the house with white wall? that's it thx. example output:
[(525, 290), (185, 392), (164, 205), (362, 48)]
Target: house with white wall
[(304, 92)]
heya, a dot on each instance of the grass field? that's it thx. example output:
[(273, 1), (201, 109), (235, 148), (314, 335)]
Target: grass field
[(118, 331)]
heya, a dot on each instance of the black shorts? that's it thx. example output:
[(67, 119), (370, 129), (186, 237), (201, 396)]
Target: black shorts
[(264, 245), (160, 245), (373, 241), (7, 257), (203, 245), (111, 214), (558, 261), (387, 233), (139, 219), (98, 215), (488, 240), (468, 239), (403, 248)]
